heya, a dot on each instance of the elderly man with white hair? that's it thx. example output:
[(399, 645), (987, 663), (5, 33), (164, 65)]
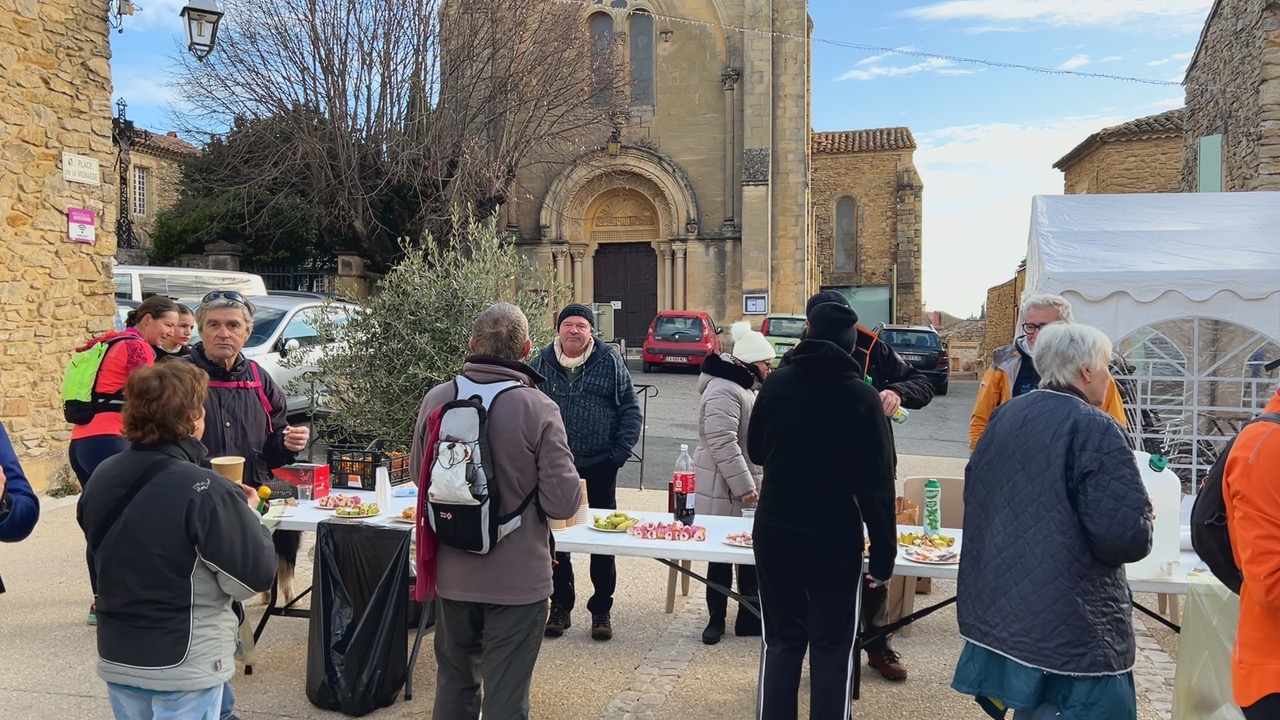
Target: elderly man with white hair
[(1054, 509), (1014, 372)]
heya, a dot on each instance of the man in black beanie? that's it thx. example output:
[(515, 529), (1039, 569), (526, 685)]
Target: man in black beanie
[(592, 385), (899, 385), (813, 422)]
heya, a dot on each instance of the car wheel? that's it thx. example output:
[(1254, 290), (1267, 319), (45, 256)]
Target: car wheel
[(942, 389), (647, 368)]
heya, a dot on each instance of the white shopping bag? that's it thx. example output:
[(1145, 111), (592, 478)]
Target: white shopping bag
[(1202, 682)]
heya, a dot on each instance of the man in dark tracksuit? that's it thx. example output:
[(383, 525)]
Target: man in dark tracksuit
[(899, 384), (813, 420)]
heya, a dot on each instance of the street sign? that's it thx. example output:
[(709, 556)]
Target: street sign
[(80, 169), (81, 225)]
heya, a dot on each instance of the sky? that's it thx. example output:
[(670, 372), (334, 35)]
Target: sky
[(988, 136)]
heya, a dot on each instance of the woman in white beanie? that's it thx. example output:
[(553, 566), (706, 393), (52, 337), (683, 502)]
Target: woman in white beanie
[(726, 480)]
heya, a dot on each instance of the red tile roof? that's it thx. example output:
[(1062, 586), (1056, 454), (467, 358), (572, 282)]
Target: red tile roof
[(853, 141), (163, 144), (1165, 125)]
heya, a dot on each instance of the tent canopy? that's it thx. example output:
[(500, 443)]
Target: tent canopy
[(1126, 261)]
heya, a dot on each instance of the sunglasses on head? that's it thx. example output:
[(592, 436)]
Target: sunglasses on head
[(231, 295)]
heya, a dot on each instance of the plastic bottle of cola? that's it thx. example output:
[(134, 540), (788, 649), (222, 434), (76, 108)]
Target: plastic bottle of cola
[(932, 507), (682, 487)]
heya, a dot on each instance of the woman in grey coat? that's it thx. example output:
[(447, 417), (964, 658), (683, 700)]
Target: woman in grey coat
[(726, 481), (1054, 509)]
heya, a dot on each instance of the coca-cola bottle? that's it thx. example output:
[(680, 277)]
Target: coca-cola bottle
[(682, 487)]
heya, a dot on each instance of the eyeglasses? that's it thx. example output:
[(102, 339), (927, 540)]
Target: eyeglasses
[(1029, 328), (231, 295)]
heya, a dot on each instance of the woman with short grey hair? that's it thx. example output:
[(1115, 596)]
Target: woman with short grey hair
[(1054, 510)]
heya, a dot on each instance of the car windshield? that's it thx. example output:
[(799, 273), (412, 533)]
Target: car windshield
[(677, 329), (784, 327), (911, 339), (265, 322)]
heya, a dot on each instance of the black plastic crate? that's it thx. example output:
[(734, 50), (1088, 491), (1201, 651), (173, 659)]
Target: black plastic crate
[(354, 467)]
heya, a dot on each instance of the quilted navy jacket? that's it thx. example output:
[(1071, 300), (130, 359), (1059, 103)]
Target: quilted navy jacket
[(1054, 509)]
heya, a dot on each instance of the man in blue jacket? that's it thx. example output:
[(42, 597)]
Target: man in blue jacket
[(19, 507), (591, 384)]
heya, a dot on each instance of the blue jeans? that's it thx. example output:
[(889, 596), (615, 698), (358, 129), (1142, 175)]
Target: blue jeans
[(228, 702), (86, 454), (131, 703)]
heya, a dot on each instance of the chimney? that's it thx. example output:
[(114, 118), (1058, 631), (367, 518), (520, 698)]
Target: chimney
[(173, 134)]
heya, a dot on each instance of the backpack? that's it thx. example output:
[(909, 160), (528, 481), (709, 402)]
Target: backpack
[(463, 496), (255, 384), (1209, 535), (81, 402)]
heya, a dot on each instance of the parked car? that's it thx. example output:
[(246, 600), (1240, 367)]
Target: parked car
[(783, 332), (921, 348), (122, 311), (286, 325), (184, 285), (680, 338)]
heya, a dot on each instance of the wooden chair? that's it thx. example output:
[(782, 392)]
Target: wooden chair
[(671, 584), (952, 517)]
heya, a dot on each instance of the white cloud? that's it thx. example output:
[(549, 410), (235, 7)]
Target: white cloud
[(142, 87), (1158, 63), (1074, 63), (1168, 103), (978, 183), (1112, 58), (1182, 56), (871, 69), (157, 14), (1063, 13), (984, 29)]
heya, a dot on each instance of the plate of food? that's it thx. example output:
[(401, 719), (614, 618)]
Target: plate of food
[(408, 516), (614, 522), (357, 512), (931, 556), (334, 502), (742, 540), (915, 539)]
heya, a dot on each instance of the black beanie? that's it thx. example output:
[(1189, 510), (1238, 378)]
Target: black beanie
[(827, 296), (834, 323), (577, 310)]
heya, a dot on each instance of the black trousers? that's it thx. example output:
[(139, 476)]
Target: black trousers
[(718, 602), (1268, 708), (809, 599), (602, 492)]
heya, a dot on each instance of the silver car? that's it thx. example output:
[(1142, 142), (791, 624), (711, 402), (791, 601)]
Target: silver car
[(284, 325)]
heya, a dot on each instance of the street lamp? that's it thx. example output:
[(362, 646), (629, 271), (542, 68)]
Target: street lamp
[(614, 145), (202, 18)]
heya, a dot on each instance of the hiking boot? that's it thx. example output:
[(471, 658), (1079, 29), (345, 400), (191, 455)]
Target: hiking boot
[(889, 663), (714, 631), (92, 618), (557, 622), (600, 627)]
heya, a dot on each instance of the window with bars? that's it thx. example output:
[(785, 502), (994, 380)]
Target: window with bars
[(141, 176)]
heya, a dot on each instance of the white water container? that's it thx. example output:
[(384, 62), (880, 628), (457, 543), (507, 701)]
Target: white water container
[(1165, 490)]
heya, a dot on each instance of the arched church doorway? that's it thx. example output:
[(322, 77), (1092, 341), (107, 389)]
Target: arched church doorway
[(622, 226)]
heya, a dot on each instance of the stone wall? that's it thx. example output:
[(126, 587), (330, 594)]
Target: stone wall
[(885, 237), (1003, 303), (1239, 49), (1128, 166), (55, 97), (164, 186)]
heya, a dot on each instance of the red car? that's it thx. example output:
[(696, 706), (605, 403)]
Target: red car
[(680, 338)]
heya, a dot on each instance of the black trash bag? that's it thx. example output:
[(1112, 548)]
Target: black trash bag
[(357, 655)]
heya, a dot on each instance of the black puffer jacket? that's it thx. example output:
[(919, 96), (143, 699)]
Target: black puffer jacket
[(237, 421), (1054, 509)]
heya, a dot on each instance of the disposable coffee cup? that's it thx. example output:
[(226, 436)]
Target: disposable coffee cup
[(557, 524), (230, 467)]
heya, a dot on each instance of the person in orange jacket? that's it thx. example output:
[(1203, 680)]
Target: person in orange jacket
[(1008, 377), (1252, 497)]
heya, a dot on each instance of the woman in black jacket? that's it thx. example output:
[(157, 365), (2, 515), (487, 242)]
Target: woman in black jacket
[(820, 432)]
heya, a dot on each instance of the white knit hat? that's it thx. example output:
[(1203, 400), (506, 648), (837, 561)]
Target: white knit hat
[(749, 346)]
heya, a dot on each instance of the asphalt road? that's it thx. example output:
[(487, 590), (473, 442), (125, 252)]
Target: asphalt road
[(940, 429)]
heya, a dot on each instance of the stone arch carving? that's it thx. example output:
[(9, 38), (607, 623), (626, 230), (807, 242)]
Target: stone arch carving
[(664, 183)]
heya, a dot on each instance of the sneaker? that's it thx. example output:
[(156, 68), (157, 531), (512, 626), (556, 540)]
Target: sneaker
[(92, 619), (889, 663), (714, 631), (600, 627), (557, 622)]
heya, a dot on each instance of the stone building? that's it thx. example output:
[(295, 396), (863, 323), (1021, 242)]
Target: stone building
[(866, 197), (1139, 156), (1001, 321), (55, 157), (154, 178), (703, 201), (1232, 137)]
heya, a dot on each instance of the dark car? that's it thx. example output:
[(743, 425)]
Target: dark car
[(921, 348), (680, 338)]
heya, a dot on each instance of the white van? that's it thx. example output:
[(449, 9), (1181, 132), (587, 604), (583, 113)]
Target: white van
[(185, 285)]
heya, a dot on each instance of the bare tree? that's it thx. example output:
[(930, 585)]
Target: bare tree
[(398, 112)]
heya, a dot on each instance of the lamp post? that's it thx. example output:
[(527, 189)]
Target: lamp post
[(124, 134), (614, 146), (202, 17)]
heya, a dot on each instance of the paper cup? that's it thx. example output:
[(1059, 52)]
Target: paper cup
[(584, 510), (557, 524), (229, 467)]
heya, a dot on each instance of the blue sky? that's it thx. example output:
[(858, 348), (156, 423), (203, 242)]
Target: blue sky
[(988, 136)]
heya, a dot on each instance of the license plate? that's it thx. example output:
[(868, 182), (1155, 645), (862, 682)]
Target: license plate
[(913, 358), (676, 359), (782, 348)]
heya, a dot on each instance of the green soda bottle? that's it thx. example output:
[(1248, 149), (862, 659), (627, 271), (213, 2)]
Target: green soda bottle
[(932, 507), (900, 415)]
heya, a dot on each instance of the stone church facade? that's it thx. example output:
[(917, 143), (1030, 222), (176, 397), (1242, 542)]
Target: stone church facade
[(707, 194)]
